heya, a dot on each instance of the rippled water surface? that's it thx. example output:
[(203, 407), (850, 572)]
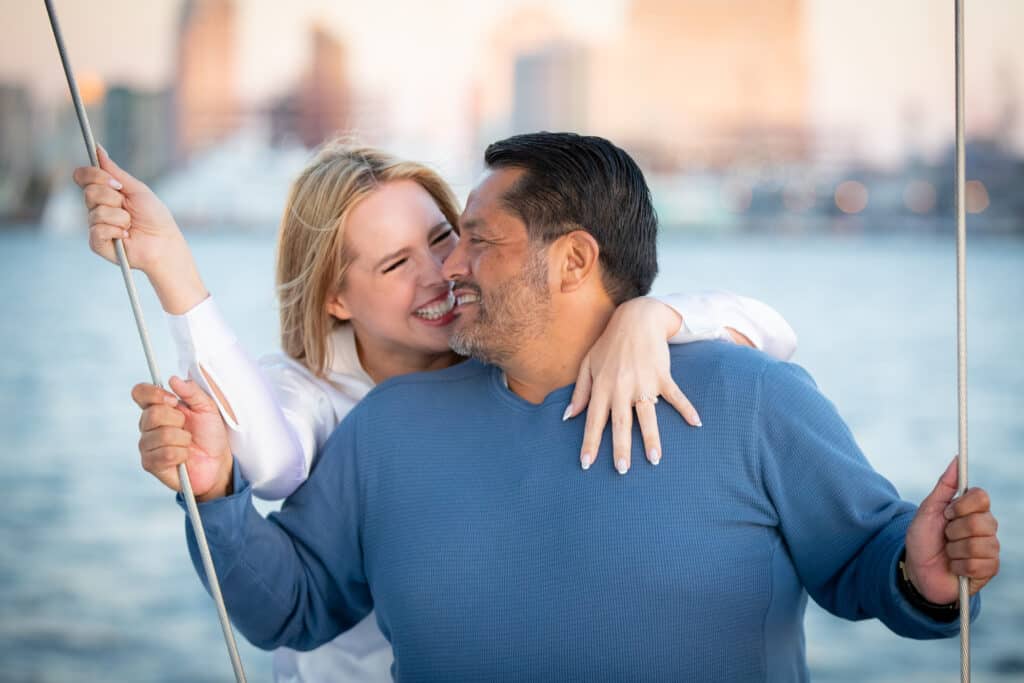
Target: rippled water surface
[(95, 581)]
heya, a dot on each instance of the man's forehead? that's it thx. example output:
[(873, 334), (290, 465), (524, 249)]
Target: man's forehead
[(485, 204)]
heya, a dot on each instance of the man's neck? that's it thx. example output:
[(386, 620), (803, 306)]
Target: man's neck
[(552, 359)]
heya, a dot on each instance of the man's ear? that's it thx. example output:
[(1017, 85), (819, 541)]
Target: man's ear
[(336, 306), (578, 260)]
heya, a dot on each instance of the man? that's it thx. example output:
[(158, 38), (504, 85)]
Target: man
[(452, 501)]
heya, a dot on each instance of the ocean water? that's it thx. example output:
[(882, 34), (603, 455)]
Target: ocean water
[(95, 580)]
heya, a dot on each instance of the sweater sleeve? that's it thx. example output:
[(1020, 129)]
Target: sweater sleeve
[(843, 523), (706, 315), (294, 579), (279, 415)]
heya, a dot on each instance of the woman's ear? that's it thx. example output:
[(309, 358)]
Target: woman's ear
[(336, 306), (579, 255)]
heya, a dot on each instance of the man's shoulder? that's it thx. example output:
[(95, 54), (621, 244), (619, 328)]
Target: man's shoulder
[(734, 368), (718, 360)]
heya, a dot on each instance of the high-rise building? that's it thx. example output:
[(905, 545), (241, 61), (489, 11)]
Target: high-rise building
[(136, 125), (324, 96), (717, 79), (206, 101), (550, 91), (16, 139), (322, 105)]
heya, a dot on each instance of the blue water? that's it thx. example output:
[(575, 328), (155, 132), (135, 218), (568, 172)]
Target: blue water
[(95, 582)]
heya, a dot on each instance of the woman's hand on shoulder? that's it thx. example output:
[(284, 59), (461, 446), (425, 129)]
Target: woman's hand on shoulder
[(625, 372)]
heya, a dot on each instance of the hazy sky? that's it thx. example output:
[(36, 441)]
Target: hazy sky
[(881, 69)]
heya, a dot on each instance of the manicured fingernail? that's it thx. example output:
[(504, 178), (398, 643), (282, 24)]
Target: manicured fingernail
[(567, 413), (124, 234), (696, 421), (654, 456), (116, 184), (948, 512), (621, 467), (586, 461)]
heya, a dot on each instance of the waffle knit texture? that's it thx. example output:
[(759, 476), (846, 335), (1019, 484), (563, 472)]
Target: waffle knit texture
[(460, 513)]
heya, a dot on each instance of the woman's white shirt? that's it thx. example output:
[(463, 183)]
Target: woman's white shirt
[(281, 414)]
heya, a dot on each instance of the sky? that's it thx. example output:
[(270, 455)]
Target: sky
[(881, 70)]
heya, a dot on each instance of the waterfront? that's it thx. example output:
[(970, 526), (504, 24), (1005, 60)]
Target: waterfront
[(96, 583)]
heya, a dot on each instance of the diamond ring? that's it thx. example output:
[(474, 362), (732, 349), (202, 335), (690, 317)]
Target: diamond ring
[(647, 398)]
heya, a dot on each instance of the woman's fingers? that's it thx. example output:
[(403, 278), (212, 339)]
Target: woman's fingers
[(622, 435), (90, 175), (581, 394), (597, 418), (102, 195), (647, 417), (101, 239), (108, 215), (677, 399)]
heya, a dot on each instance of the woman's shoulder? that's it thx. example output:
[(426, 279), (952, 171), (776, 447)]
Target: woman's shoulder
[(290, 378)]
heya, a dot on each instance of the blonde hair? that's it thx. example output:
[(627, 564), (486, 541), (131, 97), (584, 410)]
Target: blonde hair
[(312, 257)]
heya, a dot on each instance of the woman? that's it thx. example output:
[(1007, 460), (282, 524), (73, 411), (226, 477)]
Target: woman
[(362, 299)]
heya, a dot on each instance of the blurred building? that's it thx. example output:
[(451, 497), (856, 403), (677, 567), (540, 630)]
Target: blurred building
[(493, 100), (16, 136), (322, 104), (136, 125), (206, 100), (551, 88), (687, 83), (707, 81)]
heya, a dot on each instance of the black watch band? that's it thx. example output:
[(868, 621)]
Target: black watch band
[(944, 613)]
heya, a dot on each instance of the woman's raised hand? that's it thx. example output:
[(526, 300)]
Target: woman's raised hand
[(123, 207), (627, 369)]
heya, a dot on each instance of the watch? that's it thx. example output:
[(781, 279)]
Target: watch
[(948, 612)]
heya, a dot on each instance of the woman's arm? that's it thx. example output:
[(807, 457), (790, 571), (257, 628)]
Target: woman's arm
[(629, 368), (277, 415), (724, 315), (274, 425)]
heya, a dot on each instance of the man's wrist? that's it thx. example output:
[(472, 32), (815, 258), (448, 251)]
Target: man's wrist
[(939, 612)]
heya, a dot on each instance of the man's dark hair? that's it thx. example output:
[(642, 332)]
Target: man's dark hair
[(583, 182)]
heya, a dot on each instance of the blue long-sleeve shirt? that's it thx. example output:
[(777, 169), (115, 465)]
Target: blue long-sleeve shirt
[(459, 511)]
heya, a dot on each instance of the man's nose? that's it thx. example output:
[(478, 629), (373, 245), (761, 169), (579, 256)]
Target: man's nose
[(456, 266)]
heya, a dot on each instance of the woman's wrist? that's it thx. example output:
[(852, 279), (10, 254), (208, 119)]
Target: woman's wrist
[(177, 284), (663, 316)]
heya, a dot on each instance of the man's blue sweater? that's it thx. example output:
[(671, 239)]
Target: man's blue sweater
[(459, 511)]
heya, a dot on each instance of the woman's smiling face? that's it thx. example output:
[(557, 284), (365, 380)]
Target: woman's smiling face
[(393, 292)]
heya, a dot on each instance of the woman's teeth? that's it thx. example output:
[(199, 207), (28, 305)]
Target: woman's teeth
[(438, 310)]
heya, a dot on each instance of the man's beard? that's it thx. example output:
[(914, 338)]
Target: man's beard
[(508, 315)]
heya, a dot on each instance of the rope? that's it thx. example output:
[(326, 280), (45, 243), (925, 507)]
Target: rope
[(961, 327), (133, 297)]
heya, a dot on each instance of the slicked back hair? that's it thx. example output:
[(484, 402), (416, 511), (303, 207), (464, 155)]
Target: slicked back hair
[(582, 182)]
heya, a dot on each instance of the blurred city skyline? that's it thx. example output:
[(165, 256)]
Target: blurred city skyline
[(738, 109), (879, 72)]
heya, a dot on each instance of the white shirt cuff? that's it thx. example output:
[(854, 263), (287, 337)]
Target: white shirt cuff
[(199, 333)]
